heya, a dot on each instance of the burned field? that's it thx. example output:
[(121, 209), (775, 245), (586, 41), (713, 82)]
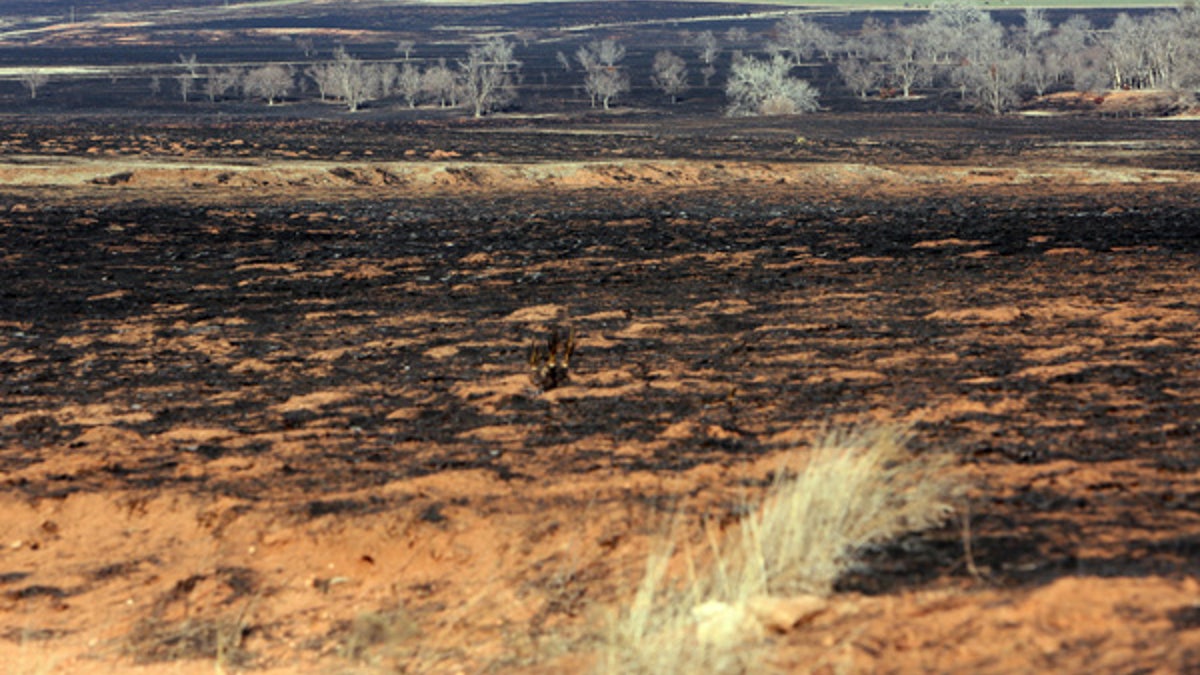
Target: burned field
[(196, 316), (287, 389), (246, 416)]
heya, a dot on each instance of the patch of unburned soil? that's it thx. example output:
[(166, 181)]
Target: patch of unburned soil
[(294, 430)]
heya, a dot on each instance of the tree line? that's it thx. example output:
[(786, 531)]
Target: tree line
[(960, 49), (956, 48)]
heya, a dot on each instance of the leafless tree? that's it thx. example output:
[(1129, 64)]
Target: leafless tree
[(799, 39), (707, 73), (385, 77), (306, 46), (563, 60), (487, 76), (1040, 65), (766, 87), (603, 78), (352, 80), (1124, 49), (272, 82), (1159, 50), (405, 47), (607, 52), (737, 35), (408, 83), (33, 79), (186, 82), (907, 66), (441, 84), (325, 77), (872, 43), (707, 47), (605, 83), (669, 74), (1040, 69), (993, 80), (1034, 31), (860, 75), (191, 64), (1073, 42), (220, 81)]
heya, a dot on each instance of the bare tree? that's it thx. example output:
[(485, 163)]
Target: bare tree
[(1124, 52), (906, 64), (707, 47), (603, 78), (405, 47), (186, 82), (737, 35), (872, 41), (1073, 43), (487, 76), (563, 60), (993, 80), (306, 46), (33, 79), (860, 75), (669, 74), (220, 81), (353, 81), (1040, 69), (607, 52), (766, 87), (409, 83), (800, 39), (385, 77), (606, 83), (1034, 31), (191, 64), (272, 82), (324, 76), (441, 84)]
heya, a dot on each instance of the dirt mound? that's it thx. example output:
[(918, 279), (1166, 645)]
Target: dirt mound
[(1117, 103), (641, 175)]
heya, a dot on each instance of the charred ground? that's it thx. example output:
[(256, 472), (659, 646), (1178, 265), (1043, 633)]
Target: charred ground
[(255, 411)]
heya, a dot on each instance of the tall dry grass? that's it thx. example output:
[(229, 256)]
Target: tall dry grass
[(855, 487)]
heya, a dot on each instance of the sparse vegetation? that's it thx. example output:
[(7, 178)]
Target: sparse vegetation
[(858, 487), (33, 79), (669, 74), (374, 636), (271, 82), (603, 77), (488, 76), (550, 358), (766, 87)]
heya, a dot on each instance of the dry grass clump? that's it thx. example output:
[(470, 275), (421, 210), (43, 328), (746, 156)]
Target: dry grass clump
[(154, 641), (858, 487)]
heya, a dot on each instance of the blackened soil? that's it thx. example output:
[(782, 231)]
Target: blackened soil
[(756, 315), (867, 138)]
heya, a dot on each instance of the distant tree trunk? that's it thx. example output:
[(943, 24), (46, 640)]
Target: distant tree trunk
[(32, 80)]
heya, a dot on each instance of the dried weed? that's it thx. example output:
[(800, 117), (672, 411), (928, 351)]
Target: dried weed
[(858, 487)]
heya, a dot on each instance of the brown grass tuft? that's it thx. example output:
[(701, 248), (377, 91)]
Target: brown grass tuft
[(858, 487)]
